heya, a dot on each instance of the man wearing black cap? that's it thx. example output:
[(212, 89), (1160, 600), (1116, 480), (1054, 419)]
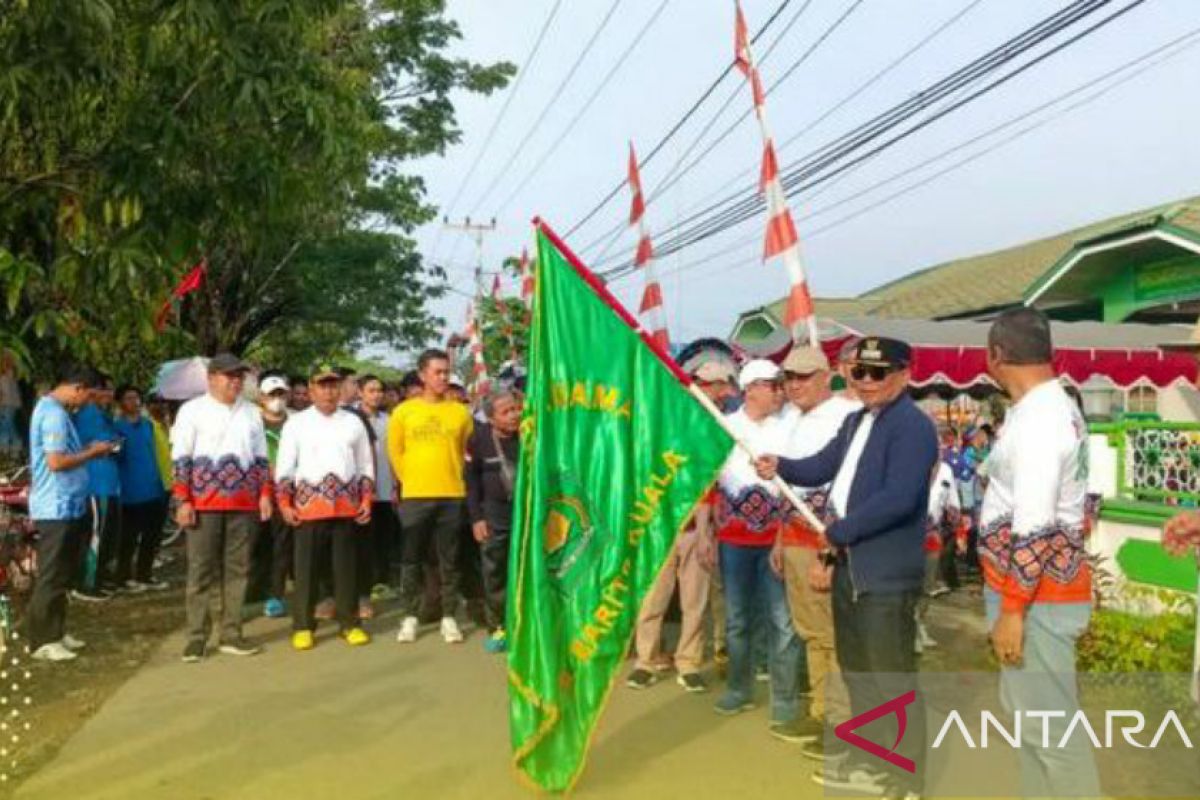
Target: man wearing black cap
[(223, 484), (879, 464)]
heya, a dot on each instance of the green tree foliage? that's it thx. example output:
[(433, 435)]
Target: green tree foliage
[(269, 137)]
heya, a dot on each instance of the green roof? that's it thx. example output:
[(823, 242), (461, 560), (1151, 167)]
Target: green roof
[(998, 279)]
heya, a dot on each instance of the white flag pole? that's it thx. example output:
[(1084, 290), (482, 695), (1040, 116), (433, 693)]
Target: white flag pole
[(780, 483)]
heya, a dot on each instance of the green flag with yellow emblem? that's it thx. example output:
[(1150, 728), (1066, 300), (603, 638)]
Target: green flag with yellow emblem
[(615, 455)]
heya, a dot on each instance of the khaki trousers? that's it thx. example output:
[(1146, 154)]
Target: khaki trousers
[(812, 617), (682, 568)]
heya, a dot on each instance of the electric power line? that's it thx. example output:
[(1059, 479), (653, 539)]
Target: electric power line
[(1178, 45), (506, 165), (678, 124), (744, 210), (483, 144), (570, 128)]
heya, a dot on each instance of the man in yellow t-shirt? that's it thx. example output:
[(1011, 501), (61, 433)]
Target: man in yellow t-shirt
[(426, 444)]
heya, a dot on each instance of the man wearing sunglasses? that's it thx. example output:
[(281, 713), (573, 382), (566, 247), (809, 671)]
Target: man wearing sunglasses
[(879, 464)]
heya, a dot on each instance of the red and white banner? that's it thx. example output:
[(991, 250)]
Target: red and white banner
[(650, 310)]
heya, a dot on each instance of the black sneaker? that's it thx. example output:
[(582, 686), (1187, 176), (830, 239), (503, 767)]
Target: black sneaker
[(641, 679), (797, 731), (691, 682), (194, 652), (239, 647)]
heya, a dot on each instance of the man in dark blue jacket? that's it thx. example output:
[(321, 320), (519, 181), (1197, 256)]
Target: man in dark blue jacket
[(880, 465)]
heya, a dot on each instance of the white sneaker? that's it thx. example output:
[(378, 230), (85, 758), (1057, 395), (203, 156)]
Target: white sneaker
[(450, 632), (134, 587), (408, 630), (71, 643), (55, 651), (924, 639)]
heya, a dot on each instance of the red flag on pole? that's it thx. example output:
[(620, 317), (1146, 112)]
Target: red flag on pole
[(190, 282)]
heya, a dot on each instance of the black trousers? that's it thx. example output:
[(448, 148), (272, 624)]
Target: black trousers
[(282, 538), (874, 635), (141, 533), (59, 552), (948, 562), (326, 541), (375, 552), (435, 523), (494, 566)]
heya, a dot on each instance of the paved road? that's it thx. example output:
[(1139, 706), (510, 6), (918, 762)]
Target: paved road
[(389, 721)]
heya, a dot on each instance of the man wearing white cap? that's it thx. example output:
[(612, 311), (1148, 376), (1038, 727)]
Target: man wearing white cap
[(688, 568), (749, 514)]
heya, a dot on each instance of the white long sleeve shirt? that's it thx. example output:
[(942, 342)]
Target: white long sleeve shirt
[(219, 455), (1032, 521), (325, 467)]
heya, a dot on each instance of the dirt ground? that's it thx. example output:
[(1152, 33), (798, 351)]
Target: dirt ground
[(121, 635)]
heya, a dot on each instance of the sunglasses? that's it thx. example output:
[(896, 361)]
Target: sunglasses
[(860, 372)]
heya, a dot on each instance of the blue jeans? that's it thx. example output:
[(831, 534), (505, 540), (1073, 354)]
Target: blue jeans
[(751, 589), (1046, 681)]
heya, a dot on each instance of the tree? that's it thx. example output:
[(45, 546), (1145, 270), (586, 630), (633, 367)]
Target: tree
[(269, 137)]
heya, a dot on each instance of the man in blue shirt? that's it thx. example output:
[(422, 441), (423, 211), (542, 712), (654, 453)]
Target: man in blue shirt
[(143, 498), (58, 503), (94, 423)]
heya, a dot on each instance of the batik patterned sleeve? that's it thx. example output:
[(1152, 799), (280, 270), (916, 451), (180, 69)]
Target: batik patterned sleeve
[(1041, 547), (286, 461), (364, 459), (183, 447)]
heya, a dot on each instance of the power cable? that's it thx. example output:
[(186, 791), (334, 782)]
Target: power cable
[(679, 123), (507, 164)]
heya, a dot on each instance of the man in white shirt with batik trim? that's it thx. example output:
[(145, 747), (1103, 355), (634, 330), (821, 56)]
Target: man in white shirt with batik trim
[(325, 482), (1031, 547), (223, 484)]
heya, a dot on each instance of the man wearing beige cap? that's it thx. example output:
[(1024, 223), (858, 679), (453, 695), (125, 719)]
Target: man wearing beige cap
[(690, 571), (818, 416)]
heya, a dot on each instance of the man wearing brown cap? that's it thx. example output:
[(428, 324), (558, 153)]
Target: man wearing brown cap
[(878, 467), (223, 484), (819, 415)]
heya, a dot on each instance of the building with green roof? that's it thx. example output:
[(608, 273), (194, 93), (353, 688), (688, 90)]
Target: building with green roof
[(1138, 267)]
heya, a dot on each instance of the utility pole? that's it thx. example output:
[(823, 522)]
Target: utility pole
[(476, 231)]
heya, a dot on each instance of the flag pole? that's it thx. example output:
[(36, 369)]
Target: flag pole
[(612, 302)]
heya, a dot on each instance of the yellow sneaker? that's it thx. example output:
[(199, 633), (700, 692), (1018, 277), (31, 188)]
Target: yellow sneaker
[(356, 636), (303, 640)]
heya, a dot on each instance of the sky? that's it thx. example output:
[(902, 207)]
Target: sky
[(1129, 148)]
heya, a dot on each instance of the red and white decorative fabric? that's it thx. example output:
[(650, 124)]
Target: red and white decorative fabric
[(781, 239), (651, 308), (480, 381)]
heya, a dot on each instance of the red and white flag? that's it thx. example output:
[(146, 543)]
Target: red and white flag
[(480, 381), (651, 308), (526, 279), (781, 238)]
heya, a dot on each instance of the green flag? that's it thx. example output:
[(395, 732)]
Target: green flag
[(615, 455)]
